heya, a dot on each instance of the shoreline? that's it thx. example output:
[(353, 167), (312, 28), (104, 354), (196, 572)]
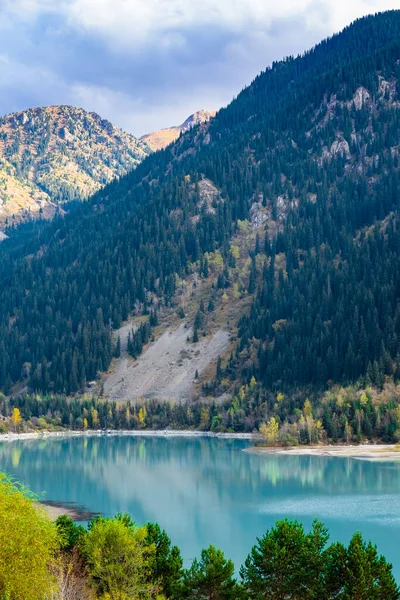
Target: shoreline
[(359, 451), (76, 512), (67, 433)]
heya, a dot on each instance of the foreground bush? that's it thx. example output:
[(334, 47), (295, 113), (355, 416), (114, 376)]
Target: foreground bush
[(28, 545), (118, 558)]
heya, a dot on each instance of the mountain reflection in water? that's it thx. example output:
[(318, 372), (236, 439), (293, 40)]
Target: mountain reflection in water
[(205, 490)]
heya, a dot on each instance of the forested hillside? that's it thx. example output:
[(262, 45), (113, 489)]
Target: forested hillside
[(312, 145)]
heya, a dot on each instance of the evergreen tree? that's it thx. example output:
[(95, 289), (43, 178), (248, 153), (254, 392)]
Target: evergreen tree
[(166, 565), (368, 575), (211, 577)]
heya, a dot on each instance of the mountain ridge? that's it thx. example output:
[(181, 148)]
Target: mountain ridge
[(158, 140), (54, 154)]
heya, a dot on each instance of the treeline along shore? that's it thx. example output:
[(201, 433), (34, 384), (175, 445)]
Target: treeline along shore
[(342, 415)]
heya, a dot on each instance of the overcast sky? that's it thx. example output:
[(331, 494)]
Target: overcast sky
[(148, 64)]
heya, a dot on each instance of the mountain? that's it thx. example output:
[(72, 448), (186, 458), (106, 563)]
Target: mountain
[(162, 138), (55, 154), (277, 221)]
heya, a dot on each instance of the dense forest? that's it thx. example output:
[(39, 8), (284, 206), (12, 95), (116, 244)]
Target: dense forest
[(314, 141), (116, 559)]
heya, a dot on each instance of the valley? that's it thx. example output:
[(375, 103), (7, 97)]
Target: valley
[(200, 327), (239, 269)]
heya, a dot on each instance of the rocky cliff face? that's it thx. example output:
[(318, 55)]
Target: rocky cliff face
[(56, 154), (162, 138)]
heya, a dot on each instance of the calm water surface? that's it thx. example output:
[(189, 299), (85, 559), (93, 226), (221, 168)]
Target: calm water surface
[(204, 490)]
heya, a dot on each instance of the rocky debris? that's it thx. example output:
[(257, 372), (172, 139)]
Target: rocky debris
[(340, 147), (361, 96), (201, 116), (259, 214), (209, 195), (166, 370)]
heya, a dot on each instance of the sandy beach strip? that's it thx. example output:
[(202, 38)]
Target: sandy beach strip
[(361, 451)]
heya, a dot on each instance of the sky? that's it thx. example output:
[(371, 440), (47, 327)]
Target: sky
[(148, 64)]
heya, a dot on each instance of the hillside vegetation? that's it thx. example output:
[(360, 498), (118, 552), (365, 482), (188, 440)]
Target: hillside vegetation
[(55, 154), (306, 158)]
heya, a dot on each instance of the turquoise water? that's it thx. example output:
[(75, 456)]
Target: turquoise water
[(204, 490)]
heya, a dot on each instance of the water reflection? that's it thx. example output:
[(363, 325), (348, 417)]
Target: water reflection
[(208, 491)]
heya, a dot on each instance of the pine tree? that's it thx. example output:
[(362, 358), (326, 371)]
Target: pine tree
[(253, 275), (211, 577), (367, 574), (218, 373)]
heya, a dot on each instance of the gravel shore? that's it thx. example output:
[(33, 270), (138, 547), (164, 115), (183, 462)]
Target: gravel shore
[(32, 435)]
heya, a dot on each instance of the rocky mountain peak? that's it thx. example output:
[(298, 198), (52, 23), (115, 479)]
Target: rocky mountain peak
[(55, 154), (163, 137)]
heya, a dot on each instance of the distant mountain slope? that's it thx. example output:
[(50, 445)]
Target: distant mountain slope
[(162, 138), (309, 156), (50, 155)]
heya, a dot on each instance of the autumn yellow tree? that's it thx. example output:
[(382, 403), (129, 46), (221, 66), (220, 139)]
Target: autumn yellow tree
[(307, 409), (142, 416), (118, 558), (28, 543), (16, 419), (309, 422), (347, 432), (95, 418), (270, 431), (204, 419), (128, 416)]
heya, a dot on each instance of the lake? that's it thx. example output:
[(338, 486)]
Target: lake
[(206, 490)]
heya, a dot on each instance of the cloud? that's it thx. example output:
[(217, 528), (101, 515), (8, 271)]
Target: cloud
[(133, 23), (146, 64)]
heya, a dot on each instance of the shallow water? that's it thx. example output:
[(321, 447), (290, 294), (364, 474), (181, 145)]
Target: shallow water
[(204, 490)]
